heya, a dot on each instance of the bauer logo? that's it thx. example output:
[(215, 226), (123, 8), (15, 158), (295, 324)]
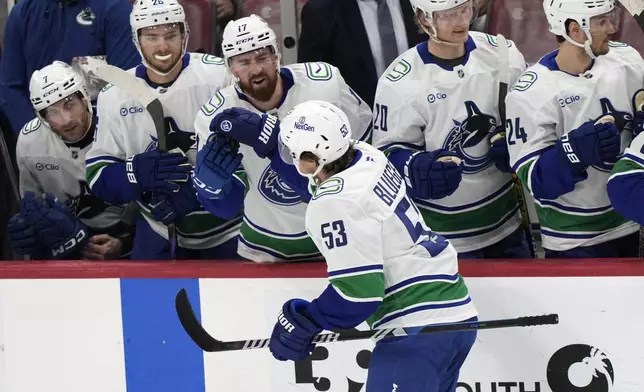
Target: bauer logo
[(563, 102), (131, 110), (580, 368)]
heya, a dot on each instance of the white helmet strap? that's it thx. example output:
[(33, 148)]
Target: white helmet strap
[(433, 34), (585, 45)]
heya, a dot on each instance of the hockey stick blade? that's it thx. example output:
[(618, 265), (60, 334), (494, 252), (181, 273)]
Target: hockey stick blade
[(209, 344)]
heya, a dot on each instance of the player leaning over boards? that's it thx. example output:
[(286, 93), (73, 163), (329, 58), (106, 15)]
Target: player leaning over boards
[(124, 163), (51, 158), (438, 101), (248, 112), (570, 117), (384, 265)]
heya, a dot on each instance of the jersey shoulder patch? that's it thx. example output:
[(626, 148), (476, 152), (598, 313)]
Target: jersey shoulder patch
[(318, 71), (214, 103), (616, 44), (211, 60), (398, 71), (31, 126), (525, 81), (107, 87), (331, 186), (493, 41)]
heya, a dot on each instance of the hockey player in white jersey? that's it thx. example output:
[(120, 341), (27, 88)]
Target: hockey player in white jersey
[(249, 112), (626, 183), (51, 159), (435, 115), (124, 163), (385, 266), (569, 119)]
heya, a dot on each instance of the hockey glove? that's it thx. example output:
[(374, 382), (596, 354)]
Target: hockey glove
[(433, 174), (215, 166), (292, 334), (57, 229), (22, 236), (638, 109), (251, 129), (499, 150), (167, 208), (159, 172), (590, 144)]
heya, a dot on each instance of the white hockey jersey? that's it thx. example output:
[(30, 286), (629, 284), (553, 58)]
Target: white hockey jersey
[(377, 246), (47, 164), (420, 105), (273, 227), (546, 103), (125, 129)]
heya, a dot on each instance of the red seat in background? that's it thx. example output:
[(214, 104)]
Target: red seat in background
[(524, 22), (630, 32)]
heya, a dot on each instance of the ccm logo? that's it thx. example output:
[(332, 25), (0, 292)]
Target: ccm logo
[(568, 100), (80, 236), (431, 98), (131, 110), (241, 41), (47, 166)]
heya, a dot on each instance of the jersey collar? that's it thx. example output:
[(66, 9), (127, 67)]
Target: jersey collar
[(141, 72), (287, 82), (550, 61), (428, 58)]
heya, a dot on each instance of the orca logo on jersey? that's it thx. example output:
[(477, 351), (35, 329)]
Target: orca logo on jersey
[(273, 189), (582, 368), (469, 139)]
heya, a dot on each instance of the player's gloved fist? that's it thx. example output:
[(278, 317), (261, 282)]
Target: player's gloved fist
[(433, 174), (292, 334), (22, 236), (590, 144), (251, 129), (216, 163), (638, 109), (154, 171), (56, 228), (167, 208), (499, 150)]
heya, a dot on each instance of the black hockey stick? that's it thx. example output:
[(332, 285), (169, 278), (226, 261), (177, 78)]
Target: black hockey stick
[(207, 343), (142, 92), (504, 81)]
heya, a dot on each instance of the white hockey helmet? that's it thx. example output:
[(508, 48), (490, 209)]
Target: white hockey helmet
[(150, 13), (428, 7), (559, 11), (317, 127), (248, 34), (54, 82)]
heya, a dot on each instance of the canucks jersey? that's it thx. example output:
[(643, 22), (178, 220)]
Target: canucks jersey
[(125, 129), (378, 248), (421, 105), (544, 104), (273, 225), (47, 164), (625, 183)]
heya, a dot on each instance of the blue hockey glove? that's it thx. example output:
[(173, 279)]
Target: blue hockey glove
[(251, 129), (56, 228), (215, 166), (499, 150), (292, 334), (638, 109), (159, 172), (167, 208), (22, 236), (431, 175), (590, 144)]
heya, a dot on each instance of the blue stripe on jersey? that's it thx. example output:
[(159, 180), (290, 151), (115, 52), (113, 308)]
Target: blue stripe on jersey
[(374, 267), (367, 133), (262, 230), (331, 311), (159, 355), (105, 158), (404, 145), (469, 234), (477, 203), (575, 209), (570, 235), (419, 309), (526, 158), (276, 254), (422, 278), (634, 158)]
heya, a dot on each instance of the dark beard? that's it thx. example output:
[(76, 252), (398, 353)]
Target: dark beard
[(262, 94)]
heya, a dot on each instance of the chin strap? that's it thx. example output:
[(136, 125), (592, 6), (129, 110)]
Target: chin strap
[(585, 45)]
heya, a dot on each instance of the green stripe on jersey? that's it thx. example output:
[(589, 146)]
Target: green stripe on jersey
[(425, 293), (288, 247), (198, 224), (371, 285), (523, 171), (625, 164), (92, 169), (485, 216), (556, 220)]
